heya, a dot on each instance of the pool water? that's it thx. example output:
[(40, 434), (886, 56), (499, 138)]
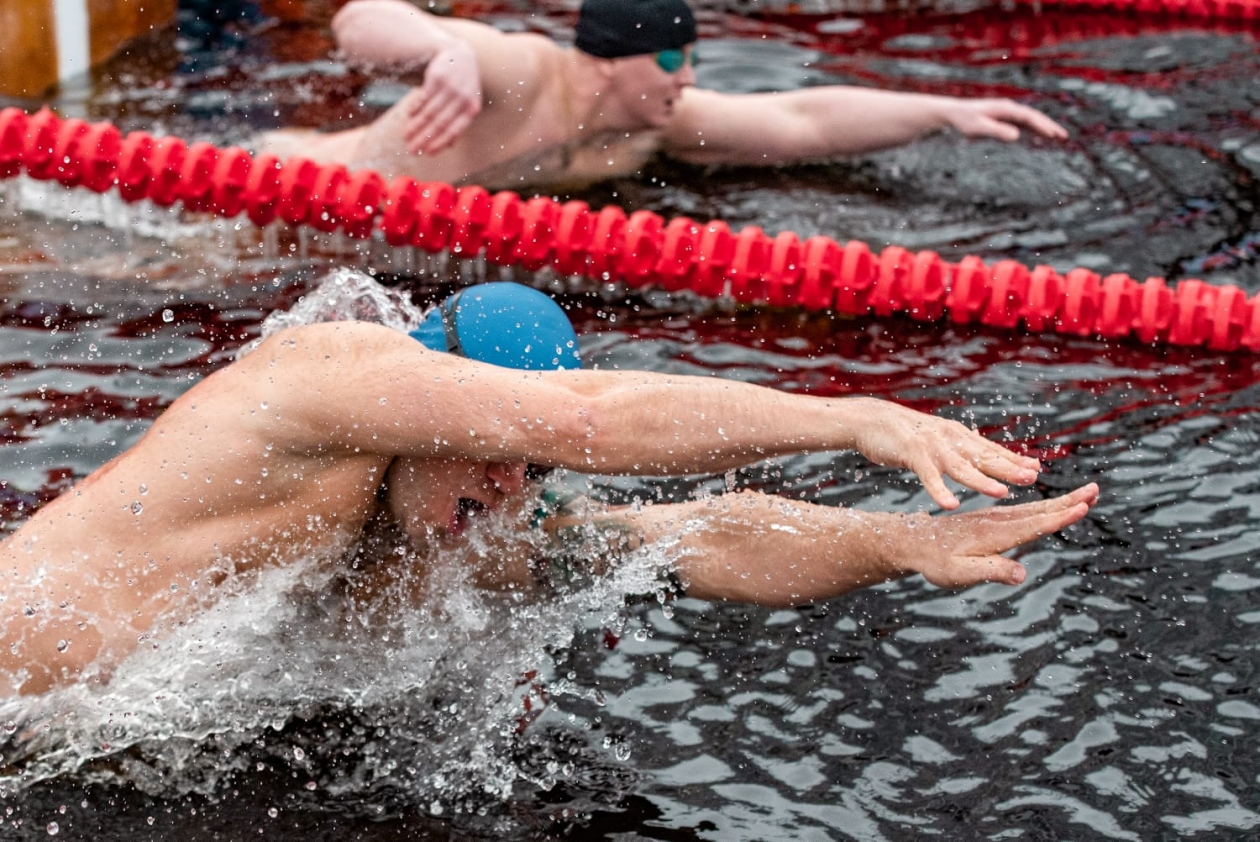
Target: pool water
[(1112, 696)]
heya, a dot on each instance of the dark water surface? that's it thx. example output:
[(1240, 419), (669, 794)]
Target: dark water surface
[(1114, 695)]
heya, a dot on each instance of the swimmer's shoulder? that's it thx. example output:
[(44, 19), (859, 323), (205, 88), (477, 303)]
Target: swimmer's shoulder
[(339, 332), (491, 42), (522, 81), (338, 342)]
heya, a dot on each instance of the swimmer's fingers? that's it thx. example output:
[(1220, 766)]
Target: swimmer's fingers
[(973, 542), (1033, 119), (448, 125), (428, 135), (1002, 119), (976, 570), (932, 447), (447, 101), (986, 467), (1005, 527), (971, 460), (934, 483)]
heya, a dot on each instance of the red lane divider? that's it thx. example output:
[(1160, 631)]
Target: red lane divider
[(1233, 10), (639, 249)]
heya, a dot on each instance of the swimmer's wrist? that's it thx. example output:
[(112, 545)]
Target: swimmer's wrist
[(897, 551), (851, 416)]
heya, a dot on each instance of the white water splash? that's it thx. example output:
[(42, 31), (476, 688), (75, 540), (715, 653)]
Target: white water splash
[(433, 688), (344, 295)]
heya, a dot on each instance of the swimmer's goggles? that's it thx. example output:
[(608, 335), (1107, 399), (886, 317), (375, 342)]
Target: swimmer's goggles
[(672, 61)]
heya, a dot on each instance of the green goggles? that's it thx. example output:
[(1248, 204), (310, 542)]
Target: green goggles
[(672, 61)]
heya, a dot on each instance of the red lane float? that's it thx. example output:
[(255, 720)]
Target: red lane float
[(639, 249), (1232, 10)]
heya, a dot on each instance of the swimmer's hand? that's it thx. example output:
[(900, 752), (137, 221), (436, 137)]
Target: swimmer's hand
[(440, 109), (958, 551), (999, 118), (935, 448)]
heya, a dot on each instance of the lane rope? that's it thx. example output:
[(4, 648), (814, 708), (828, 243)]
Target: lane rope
[(639, 249)]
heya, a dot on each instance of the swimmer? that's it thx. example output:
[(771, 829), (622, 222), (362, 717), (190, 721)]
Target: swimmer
[(323, 430), (513, 110)]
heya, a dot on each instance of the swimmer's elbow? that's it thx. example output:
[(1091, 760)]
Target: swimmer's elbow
[(359, 22), (348, 18)]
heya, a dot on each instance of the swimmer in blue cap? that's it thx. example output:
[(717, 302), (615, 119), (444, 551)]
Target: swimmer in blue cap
[(355, 443), (515, 109), (504, 324)]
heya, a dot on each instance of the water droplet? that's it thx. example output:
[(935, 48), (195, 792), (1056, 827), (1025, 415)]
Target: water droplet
[(136, 508), (53, 828), (10, 727), (63, 645), (273, 812), (298, 753), (311, 785), (149, 821), (168, 315), (144, 489)]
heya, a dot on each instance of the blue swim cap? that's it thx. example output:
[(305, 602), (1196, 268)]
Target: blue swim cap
[(504, 324)]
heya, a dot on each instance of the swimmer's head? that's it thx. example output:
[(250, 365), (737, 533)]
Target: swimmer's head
[(621, 28), (504, 324)]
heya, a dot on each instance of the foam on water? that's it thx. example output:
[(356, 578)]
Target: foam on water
[(434, 688)]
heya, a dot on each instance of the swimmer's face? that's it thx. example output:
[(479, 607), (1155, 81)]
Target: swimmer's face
[(434, 498), (647, 91)]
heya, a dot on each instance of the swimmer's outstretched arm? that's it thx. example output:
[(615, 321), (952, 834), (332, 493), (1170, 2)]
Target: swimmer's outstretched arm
[(830, 121), (758, 548), (648, 423), (368, 388)]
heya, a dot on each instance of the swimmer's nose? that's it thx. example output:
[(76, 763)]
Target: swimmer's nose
[(687, 76), (508, 477)]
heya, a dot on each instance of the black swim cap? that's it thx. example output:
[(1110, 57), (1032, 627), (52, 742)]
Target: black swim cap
[(619, 28)]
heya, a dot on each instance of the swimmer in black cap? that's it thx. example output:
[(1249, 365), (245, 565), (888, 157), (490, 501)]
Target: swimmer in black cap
[(513, 110), (323, 430)]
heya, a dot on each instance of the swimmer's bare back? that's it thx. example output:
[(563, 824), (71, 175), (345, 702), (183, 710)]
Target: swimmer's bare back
[(564, 163), (321, 147)]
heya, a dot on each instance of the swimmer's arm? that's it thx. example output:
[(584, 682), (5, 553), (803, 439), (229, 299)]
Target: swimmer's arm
[(757, 548), (710, 127), (441, 55), (705, 424), (396, 34), (366, 388), (387, 33)]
